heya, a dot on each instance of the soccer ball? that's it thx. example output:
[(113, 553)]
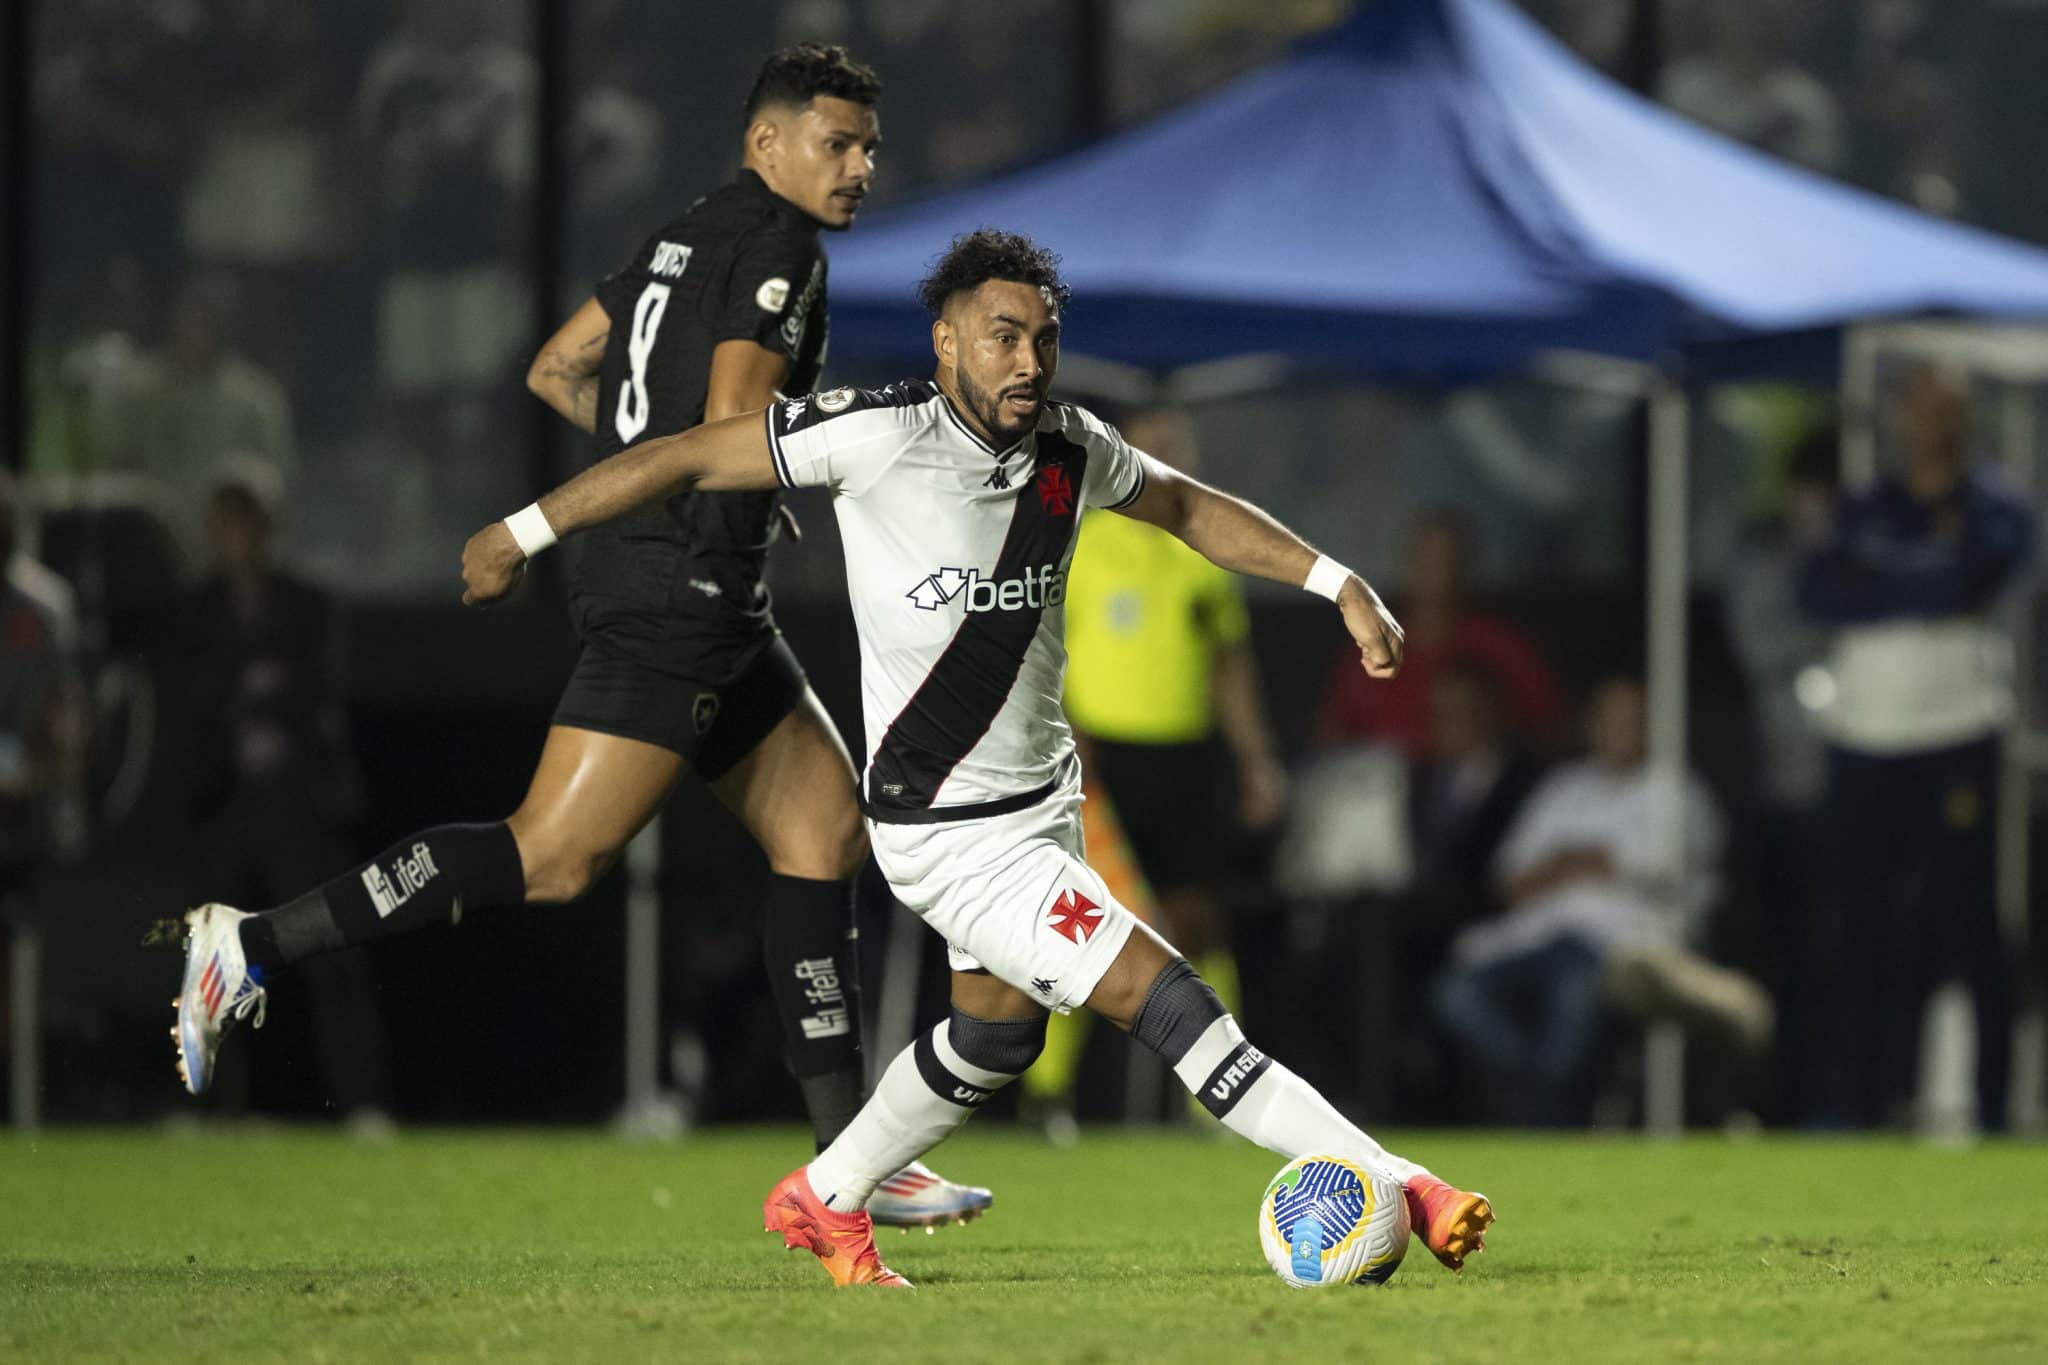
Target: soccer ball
[(1325, 1221)]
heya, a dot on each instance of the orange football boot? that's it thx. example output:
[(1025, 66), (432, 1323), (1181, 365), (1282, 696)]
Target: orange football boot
[(1451, 1222), (844, 1243)]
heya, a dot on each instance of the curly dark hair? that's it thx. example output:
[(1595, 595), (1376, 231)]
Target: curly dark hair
[(798, 74), (987, 254)]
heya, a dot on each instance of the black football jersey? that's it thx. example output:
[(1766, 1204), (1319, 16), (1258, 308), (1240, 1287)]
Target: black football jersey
[(742, 264)]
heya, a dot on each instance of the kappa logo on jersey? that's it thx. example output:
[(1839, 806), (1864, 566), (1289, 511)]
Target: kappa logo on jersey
[(408, 874), (670, 259), (1056, 490), (1075, 918), (1037, 589)]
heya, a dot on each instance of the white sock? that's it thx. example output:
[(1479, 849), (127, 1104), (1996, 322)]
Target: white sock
[(1257, 1098), (906, 1117)]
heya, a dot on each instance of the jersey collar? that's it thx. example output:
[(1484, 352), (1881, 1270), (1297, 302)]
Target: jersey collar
[(750, 183), (981, 444)]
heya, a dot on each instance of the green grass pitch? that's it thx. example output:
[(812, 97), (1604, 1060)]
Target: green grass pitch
[(488, 1245)]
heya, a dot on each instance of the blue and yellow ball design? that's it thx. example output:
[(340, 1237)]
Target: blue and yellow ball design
[(1327, 1221)]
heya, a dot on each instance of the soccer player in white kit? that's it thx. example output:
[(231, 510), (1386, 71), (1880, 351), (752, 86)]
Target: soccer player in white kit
[(958, 499)]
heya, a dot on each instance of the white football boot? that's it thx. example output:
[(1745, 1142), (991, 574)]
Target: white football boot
[(220, 987), (919, 1197)]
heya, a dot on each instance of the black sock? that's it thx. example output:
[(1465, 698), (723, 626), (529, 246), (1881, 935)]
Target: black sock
[(807, 942), (430, 878)]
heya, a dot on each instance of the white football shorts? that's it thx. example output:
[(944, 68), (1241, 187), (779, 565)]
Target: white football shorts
[(1013, 894)]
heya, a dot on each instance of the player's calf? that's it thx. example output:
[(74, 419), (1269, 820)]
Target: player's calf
[(1254, 1096), (932, 1087)]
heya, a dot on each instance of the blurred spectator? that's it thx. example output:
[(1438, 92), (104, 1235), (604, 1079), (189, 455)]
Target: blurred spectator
[(254, 193), (1159, 665), (1441, 622), (1905, 124), (1746, 86), (1777, 644), (198, 403), (110, 97), (272, 778), (1782, 653), (1594, 920), (446, 108), (1463, 798), (1598, 30), (83, 373), (1915, 709), (42, 710)]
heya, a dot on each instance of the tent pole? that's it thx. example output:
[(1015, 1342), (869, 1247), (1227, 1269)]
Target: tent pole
[(1665, 677), (2016, 784), (644, 1111), (25, 1027), (1859, 406), (2018, 457)]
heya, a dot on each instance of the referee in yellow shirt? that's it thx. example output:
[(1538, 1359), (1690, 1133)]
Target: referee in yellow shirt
[(1158, 665)]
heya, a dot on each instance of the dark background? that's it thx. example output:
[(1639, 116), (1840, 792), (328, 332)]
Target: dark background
[(155, 148)]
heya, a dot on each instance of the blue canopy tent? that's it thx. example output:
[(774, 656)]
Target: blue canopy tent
[(1438, 190)]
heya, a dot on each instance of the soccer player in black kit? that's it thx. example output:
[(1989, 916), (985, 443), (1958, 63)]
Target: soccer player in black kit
[(682, 668)]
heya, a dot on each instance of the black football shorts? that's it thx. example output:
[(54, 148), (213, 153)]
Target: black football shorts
[(712, 722)]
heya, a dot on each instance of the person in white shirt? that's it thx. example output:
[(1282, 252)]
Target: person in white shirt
[(957, 500), (1595, 919)]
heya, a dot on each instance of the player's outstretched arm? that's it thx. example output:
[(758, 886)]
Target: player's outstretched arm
[(1233, 534), (717, 457), (565, 373)]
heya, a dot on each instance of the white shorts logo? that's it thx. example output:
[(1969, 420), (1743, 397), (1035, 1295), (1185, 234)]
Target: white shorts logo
[(772, 295), (839, 400)]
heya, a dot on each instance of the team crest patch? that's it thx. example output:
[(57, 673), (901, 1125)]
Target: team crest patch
[(1055, 490), (1075, 918), (772, 294), (705, 713), (838, 400)]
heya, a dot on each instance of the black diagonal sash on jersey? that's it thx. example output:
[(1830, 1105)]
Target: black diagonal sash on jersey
[(958, 700)]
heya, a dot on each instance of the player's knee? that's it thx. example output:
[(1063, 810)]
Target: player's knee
[(830, 847), (1004, 1047), (559, 873), (848, 844)]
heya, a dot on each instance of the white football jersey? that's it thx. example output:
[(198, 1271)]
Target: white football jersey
[(956, 563)]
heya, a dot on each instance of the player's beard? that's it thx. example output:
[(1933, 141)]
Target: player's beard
[(1005, 430)]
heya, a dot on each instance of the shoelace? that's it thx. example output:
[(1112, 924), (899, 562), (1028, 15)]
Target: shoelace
[(255, 998)]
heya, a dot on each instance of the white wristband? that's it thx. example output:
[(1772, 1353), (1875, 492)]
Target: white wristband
[(529, 526), (1327, 577)]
